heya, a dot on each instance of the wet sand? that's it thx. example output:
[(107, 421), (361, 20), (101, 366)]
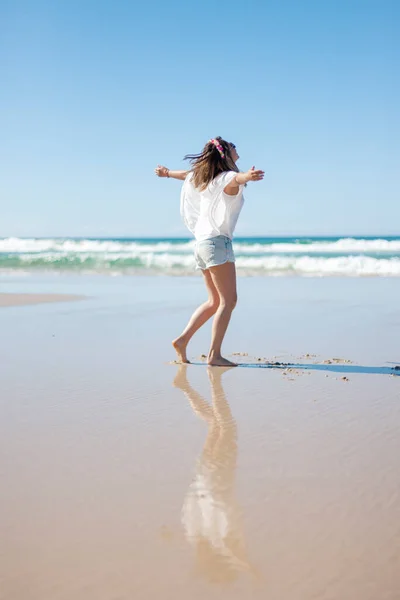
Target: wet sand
[(126, 476), (10, 299)]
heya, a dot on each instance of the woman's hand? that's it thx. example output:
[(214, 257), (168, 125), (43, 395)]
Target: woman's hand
[(251, 175), (165, 172), (161, 171), (254, 174)]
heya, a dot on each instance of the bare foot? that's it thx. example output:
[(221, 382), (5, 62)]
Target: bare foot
[(219, 361), (180, 348)]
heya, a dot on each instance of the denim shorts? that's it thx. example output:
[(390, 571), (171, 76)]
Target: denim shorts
[(213, 252)]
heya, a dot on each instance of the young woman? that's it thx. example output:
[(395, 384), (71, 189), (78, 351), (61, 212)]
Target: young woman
[(211, 201)]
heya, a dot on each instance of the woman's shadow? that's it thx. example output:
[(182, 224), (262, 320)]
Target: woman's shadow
[(211, 517)]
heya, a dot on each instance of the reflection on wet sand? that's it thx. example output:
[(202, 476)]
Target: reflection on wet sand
[(210, 515)]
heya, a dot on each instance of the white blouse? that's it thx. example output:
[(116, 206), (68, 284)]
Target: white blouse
[(211, 212)]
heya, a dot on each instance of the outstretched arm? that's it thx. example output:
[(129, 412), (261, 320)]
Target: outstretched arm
[(242, 178), (165, 172)]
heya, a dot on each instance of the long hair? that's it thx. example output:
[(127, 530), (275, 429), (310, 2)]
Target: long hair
[(209, 163)]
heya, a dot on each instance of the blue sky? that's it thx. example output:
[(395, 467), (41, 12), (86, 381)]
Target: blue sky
[(96, 93)]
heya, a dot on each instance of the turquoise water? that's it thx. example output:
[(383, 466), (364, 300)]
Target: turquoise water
[(261, 256)]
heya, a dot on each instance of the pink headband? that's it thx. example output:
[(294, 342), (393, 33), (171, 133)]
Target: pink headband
[(218, 147)]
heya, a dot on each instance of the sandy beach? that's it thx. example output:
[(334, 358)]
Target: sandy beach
[(125, 475), (23, 299)]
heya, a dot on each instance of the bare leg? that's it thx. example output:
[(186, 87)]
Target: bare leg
[(199, 317), (224, 279)]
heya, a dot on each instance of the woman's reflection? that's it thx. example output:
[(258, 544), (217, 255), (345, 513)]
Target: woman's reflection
[(210, 515)]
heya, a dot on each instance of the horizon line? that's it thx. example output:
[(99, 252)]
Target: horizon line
[(180, 237)]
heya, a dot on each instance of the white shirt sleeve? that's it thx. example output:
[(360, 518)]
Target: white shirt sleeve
[(222, 180)]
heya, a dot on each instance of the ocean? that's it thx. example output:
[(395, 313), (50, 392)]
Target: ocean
[(255, 256)]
